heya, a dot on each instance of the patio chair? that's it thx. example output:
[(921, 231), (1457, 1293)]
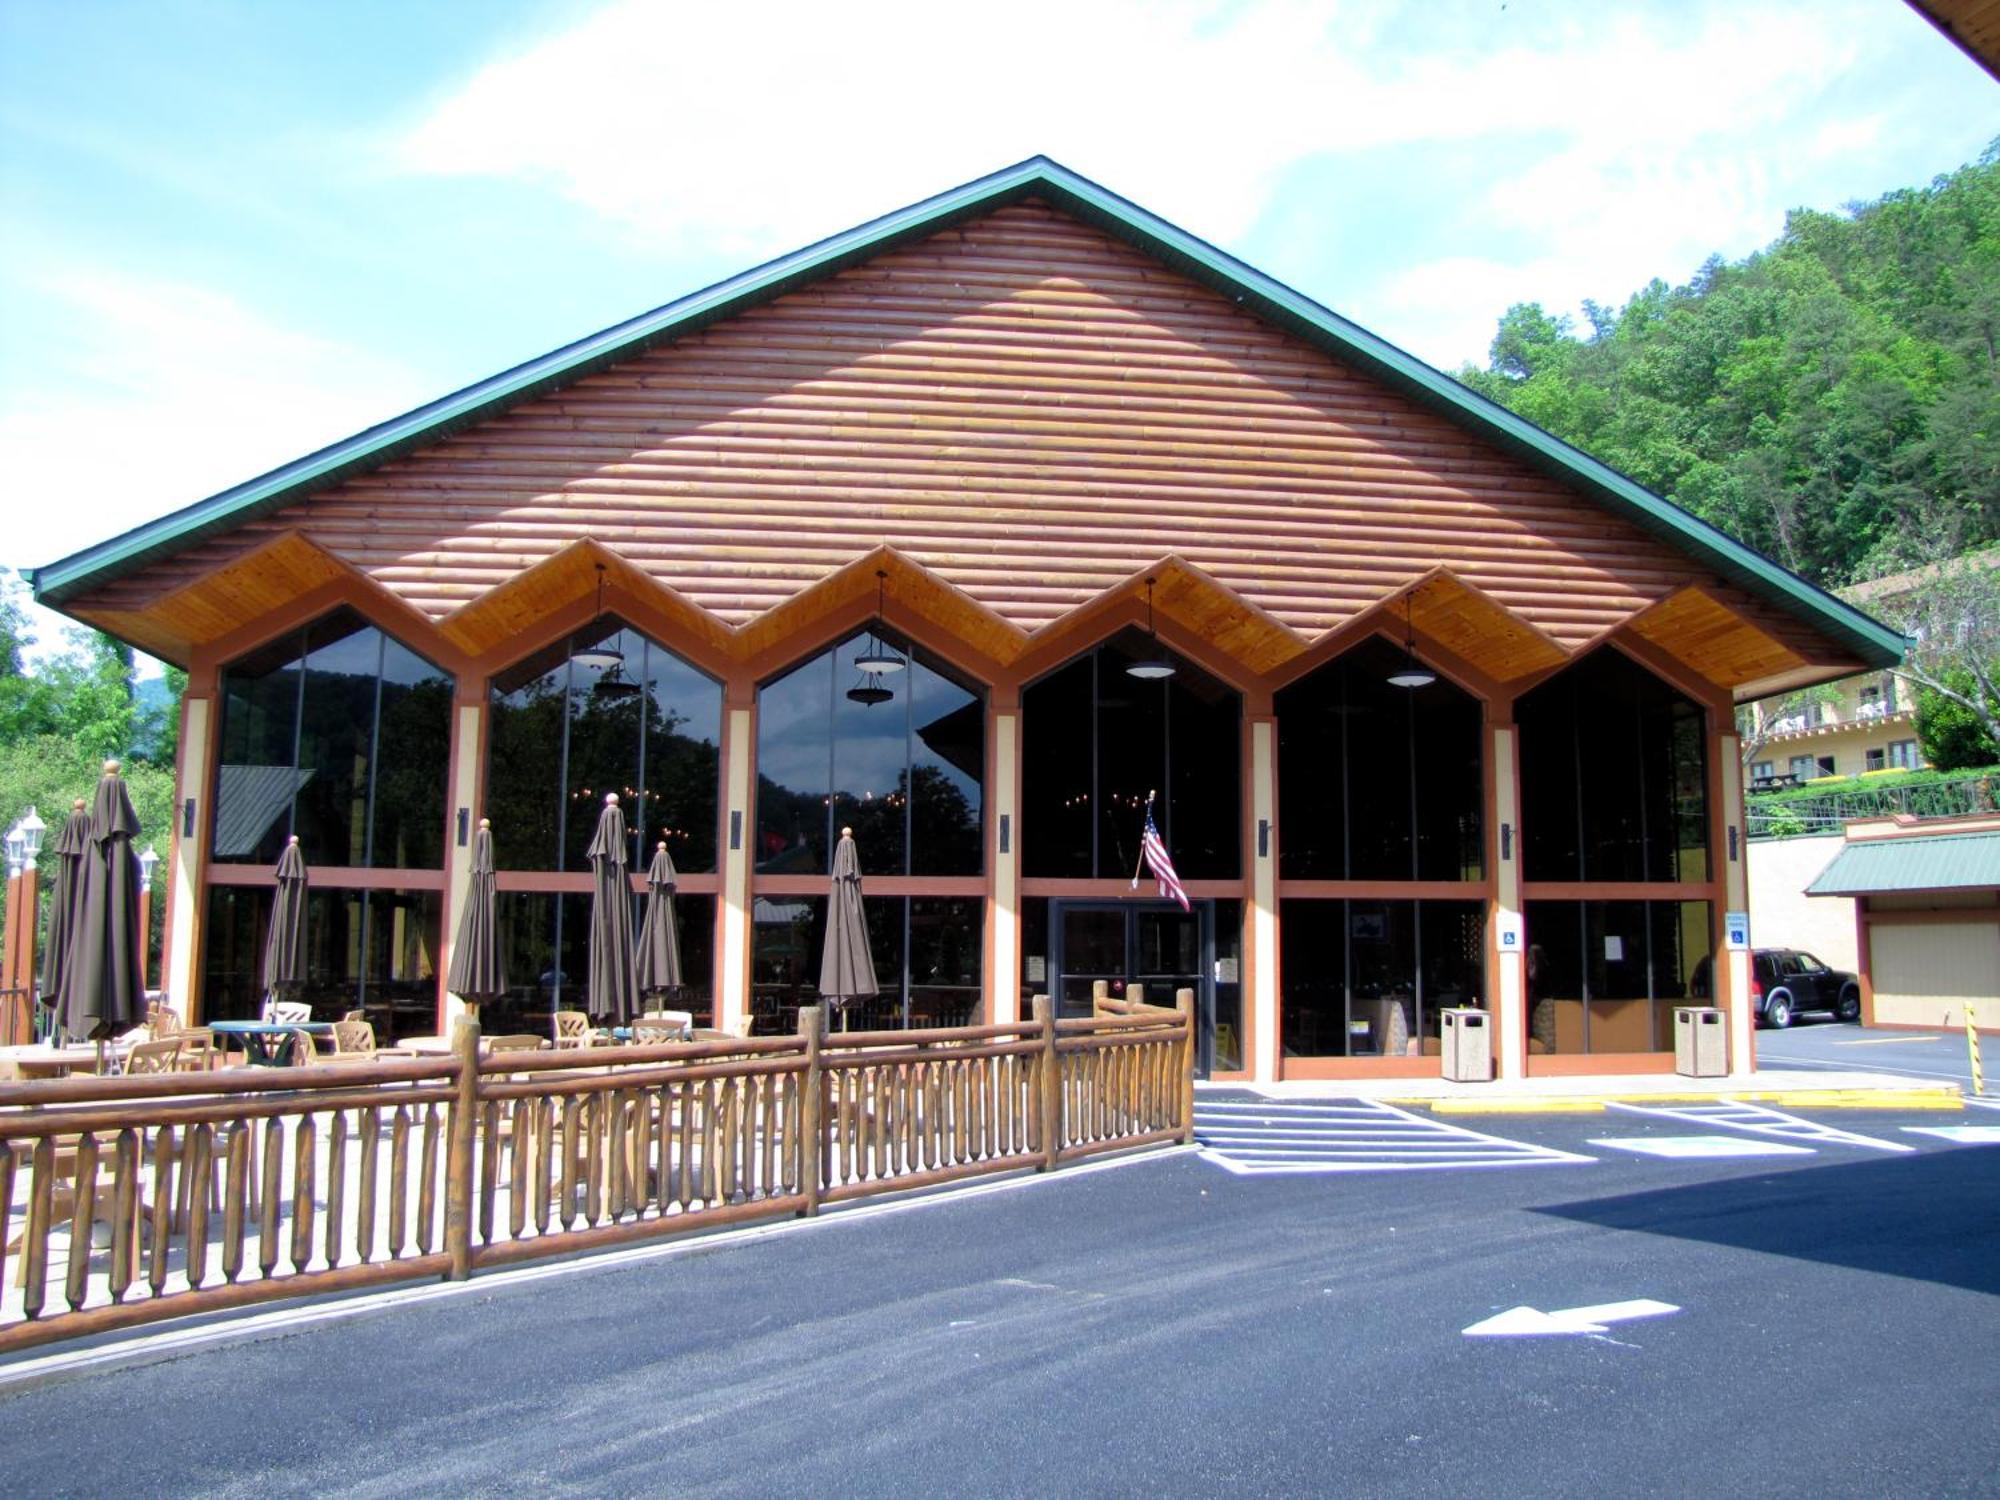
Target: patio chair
[(572, 1029), (290, 1012), (304, 1048), (521, 1042), (160, 1056), (353, 1039), (668, 1026)]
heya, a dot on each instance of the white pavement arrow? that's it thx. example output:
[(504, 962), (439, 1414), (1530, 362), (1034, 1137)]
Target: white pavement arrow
[(1527, 1322)]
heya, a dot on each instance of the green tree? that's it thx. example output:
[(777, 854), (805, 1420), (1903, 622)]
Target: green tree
[(1953, 736)]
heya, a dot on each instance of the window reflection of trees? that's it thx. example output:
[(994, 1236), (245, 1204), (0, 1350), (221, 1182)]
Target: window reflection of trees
[(906, 775)]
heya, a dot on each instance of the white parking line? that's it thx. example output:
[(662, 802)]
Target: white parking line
[(1700, 1147), (1269, 1139), (1757, 1119)]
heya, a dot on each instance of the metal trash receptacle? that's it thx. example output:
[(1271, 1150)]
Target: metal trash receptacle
[(1701, 1042), (1466, 1045)]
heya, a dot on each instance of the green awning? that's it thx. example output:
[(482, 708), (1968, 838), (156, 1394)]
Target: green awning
[(1948, 862)]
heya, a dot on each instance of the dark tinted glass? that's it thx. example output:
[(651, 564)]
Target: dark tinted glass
[(338, 734), (1369, 978), (564, 732), (413, 745), (544, 941), (927, 951), (1604, 976), (374, 951), (1058, 762), (904, 773), (1613, 776), (1378, 782), (1097, 741)]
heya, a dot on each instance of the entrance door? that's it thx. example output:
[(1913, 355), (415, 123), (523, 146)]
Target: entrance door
[(1144, 950)]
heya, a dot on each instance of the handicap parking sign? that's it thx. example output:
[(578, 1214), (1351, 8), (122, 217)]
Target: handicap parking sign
[(1736, 931)]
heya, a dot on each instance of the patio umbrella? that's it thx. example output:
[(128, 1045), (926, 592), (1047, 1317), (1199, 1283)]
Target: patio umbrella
[(285, 943), (477, 973), (104, 990), (612, 990), (64, 888), (846, 968), (659, 955)]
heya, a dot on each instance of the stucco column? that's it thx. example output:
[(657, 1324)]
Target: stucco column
[(1261, 940), (1729, 849), (1507, 942), (1003, 922), (732, 991), (193, 817), (468, 754)]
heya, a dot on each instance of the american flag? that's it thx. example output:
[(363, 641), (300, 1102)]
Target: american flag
[(1153, 850)]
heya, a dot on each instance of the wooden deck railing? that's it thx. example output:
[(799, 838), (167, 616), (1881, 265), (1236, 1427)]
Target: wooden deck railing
[(133, 1199)]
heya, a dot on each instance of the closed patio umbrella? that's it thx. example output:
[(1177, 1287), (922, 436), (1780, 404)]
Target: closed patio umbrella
[(659, 954), (846, 967), (64, 888), (612, 990), (104, 992), (477, 973), (285, 943)]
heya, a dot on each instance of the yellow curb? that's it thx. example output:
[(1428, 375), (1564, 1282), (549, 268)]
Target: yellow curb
[(1512, 1106), (1883, 1099)]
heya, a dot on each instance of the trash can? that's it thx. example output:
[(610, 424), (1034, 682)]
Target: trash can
[(1467, 1046), (1701, 1042)]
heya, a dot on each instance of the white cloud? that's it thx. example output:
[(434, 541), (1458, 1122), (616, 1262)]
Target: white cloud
[(161, 393), (686, 125)]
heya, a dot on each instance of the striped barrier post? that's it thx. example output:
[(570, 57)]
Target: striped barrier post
[(1972, 1051)]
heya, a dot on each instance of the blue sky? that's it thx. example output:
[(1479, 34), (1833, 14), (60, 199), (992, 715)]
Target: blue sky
[(233, 232)]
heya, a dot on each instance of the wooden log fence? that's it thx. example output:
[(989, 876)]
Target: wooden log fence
[(128, 1200)]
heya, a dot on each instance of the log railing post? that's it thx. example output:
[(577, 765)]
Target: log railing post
[(458, 1152), (1184, 1003), (812, 1095), (1049, 1090)]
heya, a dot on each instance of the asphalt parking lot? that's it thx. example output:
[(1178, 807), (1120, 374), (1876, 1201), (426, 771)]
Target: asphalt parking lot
[(1168, 1327)]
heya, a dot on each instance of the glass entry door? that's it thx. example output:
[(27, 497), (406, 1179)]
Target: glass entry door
[(1143, 950)]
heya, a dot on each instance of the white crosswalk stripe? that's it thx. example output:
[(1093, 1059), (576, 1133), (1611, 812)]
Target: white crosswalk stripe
[(1733, 1114), (1350, 1135)]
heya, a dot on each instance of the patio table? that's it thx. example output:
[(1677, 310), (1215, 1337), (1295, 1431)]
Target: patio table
[(266, 1043), (35, 1060)]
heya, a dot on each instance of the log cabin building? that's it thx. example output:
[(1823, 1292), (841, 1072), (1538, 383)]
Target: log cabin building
[(974, 528)]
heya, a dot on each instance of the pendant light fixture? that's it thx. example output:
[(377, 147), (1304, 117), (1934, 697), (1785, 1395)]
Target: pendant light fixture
[(1156, 665), (603, 657), (878, 658), (1413, 673), (875, 659)]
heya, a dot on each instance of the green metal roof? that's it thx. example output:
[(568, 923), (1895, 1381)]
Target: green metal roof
[(1869, 867), (1038, 177)]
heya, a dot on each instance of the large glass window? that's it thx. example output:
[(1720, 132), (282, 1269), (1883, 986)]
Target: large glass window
[(927, 952), (1378, 782), (565, 729), (545, 944), (1369, 978), (1096, 741), (340, 734), (1614, 777), (375, 951), (906, 773), (1604, 976)]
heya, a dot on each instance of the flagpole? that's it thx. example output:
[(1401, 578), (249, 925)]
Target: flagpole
[(1140, 863)]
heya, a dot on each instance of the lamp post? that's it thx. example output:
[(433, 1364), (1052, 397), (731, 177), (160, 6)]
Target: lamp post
[(148, 862), (24, 843)]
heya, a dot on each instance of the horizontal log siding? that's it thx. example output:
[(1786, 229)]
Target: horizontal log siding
[(1023, 405)]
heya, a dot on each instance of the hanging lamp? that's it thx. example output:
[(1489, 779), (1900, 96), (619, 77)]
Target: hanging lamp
[(875, 659), (603, 657), (1413, 673), (1158, 664)]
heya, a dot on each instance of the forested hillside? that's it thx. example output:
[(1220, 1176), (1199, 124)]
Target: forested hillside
[(1833, 400)]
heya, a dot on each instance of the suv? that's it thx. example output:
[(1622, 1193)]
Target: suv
[(1786, 981)]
